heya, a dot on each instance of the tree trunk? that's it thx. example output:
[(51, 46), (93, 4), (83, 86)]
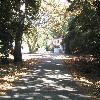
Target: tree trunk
[(18, 41), (18, 38)]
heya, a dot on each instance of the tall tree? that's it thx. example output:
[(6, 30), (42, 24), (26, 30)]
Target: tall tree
[(19, 33), (31, 8), (13, 14)]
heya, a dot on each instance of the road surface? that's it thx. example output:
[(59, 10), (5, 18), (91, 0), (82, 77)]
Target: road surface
[(47, 80)]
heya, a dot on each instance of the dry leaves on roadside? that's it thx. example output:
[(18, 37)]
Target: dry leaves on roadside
[(85, 70), (10, 73)]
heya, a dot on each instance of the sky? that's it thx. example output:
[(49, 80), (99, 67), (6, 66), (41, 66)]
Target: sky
[(61, 1), (56, 1)]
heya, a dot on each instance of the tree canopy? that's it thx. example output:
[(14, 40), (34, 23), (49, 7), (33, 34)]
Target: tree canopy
[(84, 28), (77, 20), (13, 15)]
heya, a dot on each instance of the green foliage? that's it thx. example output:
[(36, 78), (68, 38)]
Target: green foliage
[(5, 29), (12, 20), (30, 38), (84, 32)]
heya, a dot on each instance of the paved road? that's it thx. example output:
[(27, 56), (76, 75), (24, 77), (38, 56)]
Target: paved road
[(48, 80)]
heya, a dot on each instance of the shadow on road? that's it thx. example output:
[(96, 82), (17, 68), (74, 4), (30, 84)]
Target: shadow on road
[(47, 80)]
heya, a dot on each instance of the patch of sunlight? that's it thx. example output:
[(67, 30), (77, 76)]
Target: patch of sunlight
[(34, 73), (61, 87), (47, 81), (81, 95), (37, 89), (65, 76), (84, 80), (59, 64), (11, 56), (5, 86), (30, 86), (32, 62), (24, 68), (6, 97), (57, 71), (52, 76), (16, 96), (10, 78), (47, 70), (38, 78), (2, 93), (61, 57), (38, 70), (98, 83), (64, 97), (21, 74), (28, 56), (21, 87), (47, 97), (29, 98), (22, 7), (67, 88), (38, 85), (4, 70), (48, 61), (23, 79), (53, 85), (59, 2)]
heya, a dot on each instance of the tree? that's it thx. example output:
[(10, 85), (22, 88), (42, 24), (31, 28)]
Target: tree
[(31, 8), (83, 32), (12, 20)]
